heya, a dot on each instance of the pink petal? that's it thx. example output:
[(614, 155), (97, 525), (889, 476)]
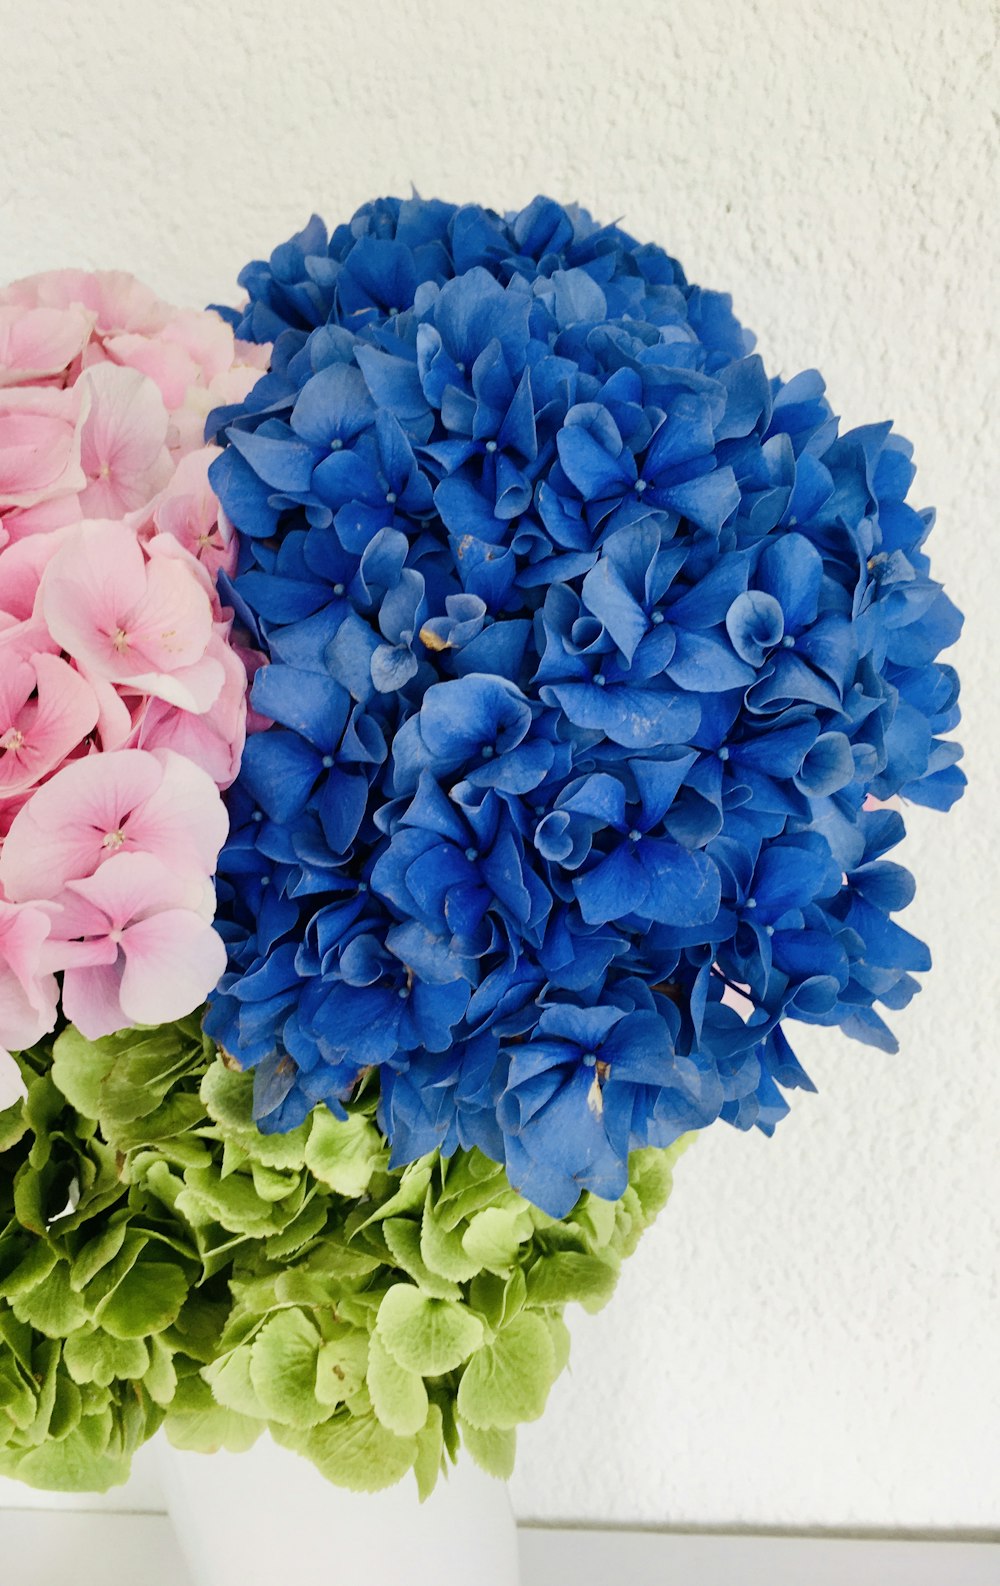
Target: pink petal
[(206, 339), (28, 995), (143, 623), (252, 356), (43, 518), (122, 449), (183, 821), (37, 343), (40, 442), (214, 739), (91, 999), (193, 688), (75, 821), (172, 961), (17, 683), (90, 586), (188, 511), (116, 299), (114, 723), (129, 887), (170, 625), (170, 368), (12, 1086), (156, 959), (36, 738), (22, 566)]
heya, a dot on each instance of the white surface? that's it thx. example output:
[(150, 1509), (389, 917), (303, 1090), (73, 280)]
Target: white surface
[(268, 1514), (810, 1336), (124, 1550)]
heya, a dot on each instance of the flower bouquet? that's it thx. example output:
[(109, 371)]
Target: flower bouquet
[(453, 710)]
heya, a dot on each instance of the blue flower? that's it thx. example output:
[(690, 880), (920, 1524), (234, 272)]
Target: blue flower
[(590, 652)]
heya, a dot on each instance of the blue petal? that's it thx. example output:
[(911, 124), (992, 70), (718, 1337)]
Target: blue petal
[(684, 885), (706, 664), (633, 717), (617, 886), (755, 623), (791, 569), (310, 703), (333, 405)]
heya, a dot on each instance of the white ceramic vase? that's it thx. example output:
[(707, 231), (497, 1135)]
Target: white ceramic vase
[(268, 1516)]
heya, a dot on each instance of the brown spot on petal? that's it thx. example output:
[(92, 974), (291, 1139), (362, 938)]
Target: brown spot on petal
[(433, 640), (595, 1098)]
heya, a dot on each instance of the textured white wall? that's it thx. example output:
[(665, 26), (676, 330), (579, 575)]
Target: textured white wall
[(810, 1336)]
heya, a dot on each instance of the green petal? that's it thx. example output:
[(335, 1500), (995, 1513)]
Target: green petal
[(509, 1380), (398, 1396), (427, 1335), (283, 1369)]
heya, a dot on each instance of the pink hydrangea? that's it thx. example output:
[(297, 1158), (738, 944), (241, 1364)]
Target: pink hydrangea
[(122, 698)]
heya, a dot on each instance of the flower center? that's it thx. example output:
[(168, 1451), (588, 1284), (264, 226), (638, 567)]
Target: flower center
[(114, 840), (12, 739), (119, 640)]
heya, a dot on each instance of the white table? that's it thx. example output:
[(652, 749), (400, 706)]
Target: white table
[(43, 1547)]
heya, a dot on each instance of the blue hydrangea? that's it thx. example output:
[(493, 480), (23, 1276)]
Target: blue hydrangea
[(593, 655)]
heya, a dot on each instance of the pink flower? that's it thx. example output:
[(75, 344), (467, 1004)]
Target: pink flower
[(192, 349), (46, 711), (214, 739), (229, 386), (188, 510), (140, 621), (127, 801), (142, 951), (116, 300), (40, 434), (28, 991), (45, 517), (123, 451), (122, 698), (12, 1086), (40, 343), (21, 567)]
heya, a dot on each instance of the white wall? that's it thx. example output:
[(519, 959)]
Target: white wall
[(809, 1338)]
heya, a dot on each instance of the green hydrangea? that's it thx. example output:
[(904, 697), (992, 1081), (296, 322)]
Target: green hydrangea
[(163, 1263)]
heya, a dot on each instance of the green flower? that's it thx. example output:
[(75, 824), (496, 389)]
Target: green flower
[(163, 1263)]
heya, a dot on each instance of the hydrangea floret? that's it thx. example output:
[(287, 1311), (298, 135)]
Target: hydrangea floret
[(122, 699), (593, 656), (163, 1263)]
